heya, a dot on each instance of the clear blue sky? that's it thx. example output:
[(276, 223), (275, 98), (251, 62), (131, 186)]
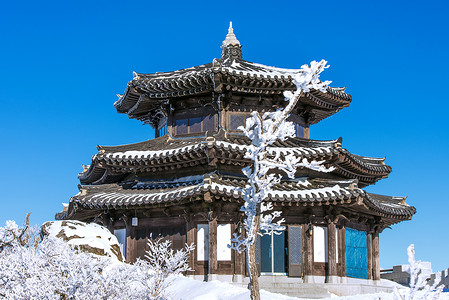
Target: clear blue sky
[(61, 64)]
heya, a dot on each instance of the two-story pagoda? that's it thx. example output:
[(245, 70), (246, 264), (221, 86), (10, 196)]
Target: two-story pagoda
[(186, 183)]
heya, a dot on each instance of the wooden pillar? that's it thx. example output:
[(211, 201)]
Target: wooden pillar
[(190, 239), (343, 251), (308, 254), (130, 245), (332, 252), (239, 259), (213, 263), (375, 257), (368, 254)]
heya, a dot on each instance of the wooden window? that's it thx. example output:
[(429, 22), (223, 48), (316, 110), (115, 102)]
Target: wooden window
[(294, 251), (202, 250), (195, 125), (209, 123), (236, 121), (223, 239), (299, 130), (182, 126), (120, 234), (320, 249)]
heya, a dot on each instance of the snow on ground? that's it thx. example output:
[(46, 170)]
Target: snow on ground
[(184, 288)]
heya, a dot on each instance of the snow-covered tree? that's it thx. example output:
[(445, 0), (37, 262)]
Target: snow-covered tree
[(12, 235), (419, 287), (164, 263), (268, 165)]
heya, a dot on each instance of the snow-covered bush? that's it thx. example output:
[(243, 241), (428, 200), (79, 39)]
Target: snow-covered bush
[(164, 264), (52, 269), (419, 287)]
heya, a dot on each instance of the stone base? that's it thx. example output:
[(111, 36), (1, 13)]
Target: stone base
[(314, 287)]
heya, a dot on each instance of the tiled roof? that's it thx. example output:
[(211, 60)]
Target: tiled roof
[(301, 192), (165, 153), (146, 92)]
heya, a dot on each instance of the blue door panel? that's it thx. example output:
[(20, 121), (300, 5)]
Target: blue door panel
[(356, 254), (265, 253), (279, 252)]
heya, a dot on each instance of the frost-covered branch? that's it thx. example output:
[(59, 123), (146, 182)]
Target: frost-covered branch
[(164, 262), (12, 235), (419, 287)]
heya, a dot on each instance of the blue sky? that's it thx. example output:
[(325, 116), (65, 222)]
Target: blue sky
[(61, 64)]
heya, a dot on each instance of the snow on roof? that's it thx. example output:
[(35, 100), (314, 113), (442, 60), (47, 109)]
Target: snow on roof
[(300, 151)]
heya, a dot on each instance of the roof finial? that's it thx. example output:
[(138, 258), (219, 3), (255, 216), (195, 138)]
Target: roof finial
[(230, 37)]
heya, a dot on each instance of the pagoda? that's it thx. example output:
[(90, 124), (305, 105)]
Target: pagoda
[(186, 184)]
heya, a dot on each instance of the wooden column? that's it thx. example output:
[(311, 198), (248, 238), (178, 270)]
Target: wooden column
[(130, 245), (308, 252), (213, 263), (332, 251), (343, 251), (375, 258), (190, 239), (239, 259), (368, 254)]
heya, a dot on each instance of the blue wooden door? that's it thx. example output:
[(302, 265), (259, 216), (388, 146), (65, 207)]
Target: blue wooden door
[(356, 254), (273, 253)]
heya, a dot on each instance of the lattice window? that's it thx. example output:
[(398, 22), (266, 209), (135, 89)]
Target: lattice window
[(182, 126), (295, 245), (195, 125), (236, 121), (209, 123), (299, 130)]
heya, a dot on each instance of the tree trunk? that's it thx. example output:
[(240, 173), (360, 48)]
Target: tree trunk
[(252, 267)]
